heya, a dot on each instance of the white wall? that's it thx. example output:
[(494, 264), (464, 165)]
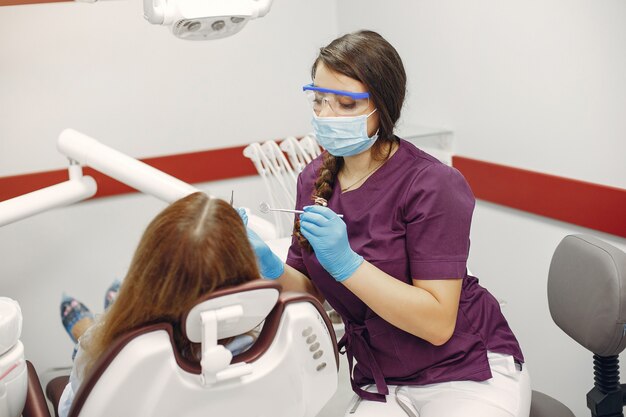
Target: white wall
[(103, 70), (538, 85)]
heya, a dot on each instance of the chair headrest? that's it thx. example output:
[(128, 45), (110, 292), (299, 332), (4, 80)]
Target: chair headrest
[(257, 298), (10, 323), (143, 374), (587, 293)]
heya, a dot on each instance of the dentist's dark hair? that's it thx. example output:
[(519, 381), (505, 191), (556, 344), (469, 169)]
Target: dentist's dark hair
[(368, 58)]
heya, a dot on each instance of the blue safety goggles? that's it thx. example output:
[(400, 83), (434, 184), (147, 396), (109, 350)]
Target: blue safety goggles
[(343, 103), (356, 96)]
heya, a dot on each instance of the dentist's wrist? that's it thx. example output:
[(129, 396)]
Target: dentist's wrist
[(348, 266)]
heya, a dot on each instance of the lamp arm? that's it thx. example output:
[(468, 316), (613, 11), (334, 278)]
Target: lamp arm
[(121, 167), (65, 193)]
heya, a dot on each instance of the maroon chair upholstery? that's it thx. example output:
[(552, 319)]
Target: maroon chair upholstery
[(36, 405), (54, 389)]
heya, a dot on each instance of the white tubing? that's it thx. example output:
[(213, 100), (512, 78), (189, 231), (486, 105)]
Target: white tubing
[(123, 168), (58, 195)]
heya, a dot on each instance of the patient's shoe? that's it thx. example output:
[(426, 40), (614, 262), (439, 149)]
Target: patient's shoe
[(75, 316), (111, 293)]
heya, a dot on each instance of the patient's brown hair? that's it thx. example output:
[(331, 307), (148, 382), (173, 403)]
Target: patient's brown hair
[(193, 247)]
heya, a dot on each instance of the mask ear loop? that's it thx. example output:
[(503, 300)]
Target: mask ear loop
[(375, 135)]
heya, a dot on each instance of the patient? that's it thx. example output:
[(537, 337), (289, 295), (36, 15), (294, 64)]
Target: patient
[(192, 248)]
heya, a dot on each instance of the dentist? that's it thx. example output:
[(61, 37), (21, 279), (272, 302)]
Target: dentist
[(423, 338)]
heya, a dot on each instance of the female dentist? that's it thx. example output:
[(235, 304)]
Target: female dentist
[(427, 339)]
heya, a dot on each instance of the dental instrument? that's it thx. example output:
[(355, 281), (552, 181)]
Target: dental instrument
[(265, 208), (310, 145), (298, 157), (278, 178)]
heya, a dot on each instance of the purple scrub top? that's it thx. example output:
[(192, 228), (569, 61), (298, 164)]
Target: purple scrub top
[(411, 219)]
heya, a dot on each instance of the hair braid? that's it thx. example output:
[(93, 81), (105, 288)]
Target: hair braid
[(324, 185)]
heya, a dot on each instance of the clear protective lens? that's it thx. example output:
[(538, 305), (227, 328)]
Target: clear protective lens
[(341, 105)]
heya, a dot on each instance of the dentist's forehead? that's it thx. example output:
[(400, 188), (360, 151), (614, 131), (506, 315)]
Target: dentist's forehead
[(327, 78)]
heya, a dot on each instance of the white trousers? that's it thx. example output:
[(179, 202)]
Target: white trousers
[(506, 394)]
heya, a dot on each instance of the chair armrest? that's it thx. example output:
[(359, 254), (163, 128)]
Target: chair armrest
[(36, 405), (54, 390)]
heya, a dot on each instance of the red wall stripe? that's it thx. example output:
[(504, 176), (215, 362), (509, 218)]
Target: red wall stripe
[(18, 2), (595, 206), (194, 167)]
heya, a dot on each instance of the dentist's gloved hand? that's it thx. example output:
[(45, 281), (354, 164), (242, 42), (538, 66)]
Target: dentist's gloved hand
[(327, 234), (269, 263)]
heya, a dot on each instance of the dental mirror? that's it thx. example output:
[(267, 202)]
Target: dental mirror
[(266, 208)]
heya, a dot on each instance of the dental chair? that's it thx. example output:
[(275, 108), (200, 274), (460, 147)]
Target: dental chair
[(13, 372), (291, 369), (587, 299)]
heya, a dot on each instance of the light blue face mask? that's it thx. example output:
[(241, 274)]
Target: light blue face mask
[(343, 136)]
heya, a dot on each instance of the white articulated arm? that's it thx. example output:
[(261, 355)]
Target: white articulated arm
[(82, 149), (78, 188), (123, 168)]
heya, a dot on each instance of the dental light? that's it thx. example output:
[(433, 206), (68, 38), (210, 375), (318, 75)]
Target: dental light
[(204, 19), (80, 148)]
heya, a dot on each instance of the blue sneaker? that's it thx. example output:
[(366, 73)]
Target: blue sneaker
[(111, 293), (73, 311)]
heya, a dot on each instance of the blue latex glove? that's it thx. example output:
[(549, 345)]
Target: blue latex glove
[(327, 234), (269, 263)]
